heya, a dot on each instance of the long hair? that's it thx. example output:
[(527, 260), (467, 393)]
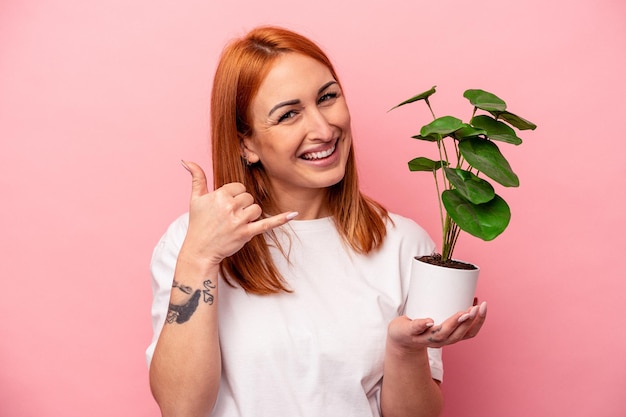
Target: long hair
[(243, 66)]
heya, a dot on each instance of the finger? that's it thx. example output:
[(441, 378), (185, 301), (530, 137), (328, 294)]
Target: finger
[(477, 324), (198, 179), (244, 200), (482, 309), (251, 212), (442, 333), (234, 189), (460, 326), (419, 326), (469, 316), (468, 325), (261, 226), (478, 321)]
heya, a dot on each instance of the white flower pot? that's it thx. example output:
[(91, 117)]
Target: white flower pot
[(437, 292)]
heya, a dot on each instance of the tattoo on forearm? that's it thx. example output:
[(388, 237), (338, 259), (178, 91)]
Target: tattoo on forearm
[(183, 288), (208, 297), (181, 313)]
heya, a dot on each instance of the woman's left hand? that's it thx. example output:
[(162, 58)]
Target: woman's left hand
[(421, 333)]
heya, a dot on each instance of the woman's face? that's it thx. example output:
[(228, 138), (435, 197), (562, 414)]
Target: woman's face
[(300, 128)]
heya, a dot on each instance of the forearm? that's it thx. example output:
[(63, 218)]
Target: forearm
[(186, 367), (408, 388)]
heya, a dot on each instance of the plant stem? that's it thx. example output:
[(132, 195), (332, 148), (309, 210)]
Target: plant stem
[(430, 108), (443, 227), (446, 250), (455, 235), (451, 235)]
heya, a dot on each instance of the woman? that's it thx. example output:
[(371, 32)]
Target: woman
[(281, 292)]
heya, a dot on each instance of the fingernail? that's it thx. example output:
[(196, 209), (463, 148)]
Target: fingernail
[(464, 317), (185, 165), (473, 312), (428, 325), (292, 215), (482, 310)]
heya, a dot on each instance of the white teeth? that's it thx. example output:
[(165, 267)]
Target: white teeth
[(318, 155)]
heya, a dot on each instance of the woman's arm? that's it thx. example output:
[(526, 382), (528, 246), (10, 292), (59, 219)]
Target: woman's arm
[(408, 388), (185, 370), (186, 367)]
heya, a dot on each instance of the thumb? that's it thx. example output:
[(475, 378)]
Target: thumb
[(419, 326), (198, 179)]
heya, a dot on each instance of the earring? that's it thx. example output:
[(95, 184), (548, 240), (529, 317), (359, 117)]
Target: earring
[(245, 158)]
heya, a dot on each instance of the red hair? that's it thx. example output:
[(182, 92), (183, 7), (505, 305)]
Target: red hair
[(243, 66)]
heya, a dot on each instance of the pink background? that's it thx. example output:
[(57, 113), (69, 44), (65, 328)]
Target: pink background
[(100, 100)]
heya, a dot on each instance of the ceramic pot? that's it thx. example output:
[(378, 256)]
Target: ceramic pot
[(437, 292)]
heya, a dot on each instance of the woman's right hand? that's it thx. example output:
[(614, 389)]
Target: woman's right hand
[(222, 221)]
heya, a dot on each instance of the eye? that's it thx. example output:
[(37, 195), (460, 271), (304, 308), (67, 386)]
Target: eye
[(327, 97), (288, 115)]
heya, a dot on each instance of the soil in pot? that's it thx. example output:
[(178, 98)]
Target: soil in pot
[(435, 259)]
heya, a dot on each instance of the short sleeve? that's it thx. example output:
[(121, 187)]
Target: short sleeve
[(162, 268), (436, 363)]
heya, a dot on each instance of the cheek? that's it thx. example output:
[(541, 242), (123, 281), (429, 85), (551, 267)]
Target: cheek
[(344, 116), (346, 124), (339, 117), (280, 146)]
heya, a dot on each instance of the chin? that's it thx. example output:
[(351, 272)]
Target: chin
[(336, 179)]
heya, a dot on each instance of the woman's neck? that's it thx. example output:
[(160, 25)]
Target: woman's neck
[(310, 204)]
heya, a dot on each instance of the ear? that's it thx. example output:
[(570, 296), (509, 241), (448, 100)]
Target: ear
[(247, 145)]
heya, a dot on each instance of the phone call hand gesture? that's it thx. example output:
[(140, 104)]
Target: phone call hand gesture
[(222, 221)]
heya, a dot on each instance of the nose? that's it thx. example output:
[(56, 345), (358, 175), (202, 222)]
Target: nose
[(319, 128)]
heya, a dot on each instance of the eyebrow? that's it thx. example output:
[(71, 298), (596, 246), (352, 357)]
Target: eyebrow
[(296, 101)]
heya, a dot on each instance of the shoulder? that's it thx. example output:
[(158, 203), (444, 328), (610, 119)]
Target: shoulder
[(171, 241), (177, 230), (406, 232), (404, 225), (166, 251)]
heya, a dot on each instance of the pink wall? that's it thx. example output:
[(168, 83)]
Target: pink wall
[(100, 100)]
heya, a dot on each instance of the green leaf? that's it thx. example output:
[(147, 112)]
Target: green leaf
[(484, 155), (431, 138), (472, 188), (441, 126), (421, 96), (468, 131), (514, 120), (485, 100), (425, 164), (485, 221), (496, 130)]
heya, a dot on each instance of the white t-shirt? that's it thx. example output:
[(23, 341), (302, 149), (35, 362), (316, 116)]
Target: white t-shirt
[(319, 350)]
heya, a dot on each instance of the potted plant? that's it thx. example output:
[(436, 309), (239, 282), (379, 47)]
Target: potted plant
[(468, 160)]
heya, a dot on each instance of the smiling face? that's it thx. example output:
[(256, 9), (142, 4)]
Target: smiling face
[(300, 130)]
